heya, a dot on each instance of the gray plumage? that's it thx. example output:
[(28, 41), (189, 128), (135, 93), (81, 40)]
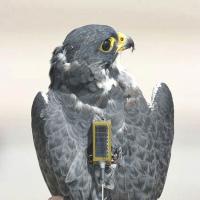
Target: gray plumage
[(86, 84)]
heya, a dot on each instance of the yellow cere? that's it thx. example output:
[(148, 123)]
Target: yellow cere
[(121, 41)]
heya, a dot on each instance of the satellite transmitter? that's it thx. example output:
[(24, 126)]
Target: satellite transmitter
[(102, 152)]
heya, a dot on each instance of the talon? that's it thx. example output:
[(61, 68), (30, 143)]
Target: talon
[(116, 155)]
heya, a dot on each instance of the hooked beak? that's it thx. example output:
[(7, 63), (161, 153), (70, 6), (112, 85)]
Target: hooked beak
[(124, 42)]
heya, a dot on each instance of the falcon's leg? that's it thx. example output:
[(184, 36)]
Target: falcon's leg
[(56, 198)]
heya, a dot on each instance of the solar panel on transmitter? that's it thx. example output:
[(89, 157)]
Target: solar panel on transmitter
[(101, 141)]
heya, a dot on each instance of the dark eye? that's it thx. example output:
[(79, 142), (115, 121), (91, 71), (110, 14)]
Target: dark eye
[(106, 45)]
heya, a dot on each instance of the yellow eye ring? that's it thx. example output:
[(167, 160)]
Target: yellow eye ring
[(107, 45)]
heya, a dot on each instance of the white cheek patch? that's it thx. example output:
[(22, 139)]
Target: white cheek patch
[(107, 83), (124, 76), (118, 64), (45, 97)]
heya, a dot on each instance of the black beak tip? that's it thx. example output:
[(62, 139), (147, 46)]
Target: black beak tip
[(131, 44)]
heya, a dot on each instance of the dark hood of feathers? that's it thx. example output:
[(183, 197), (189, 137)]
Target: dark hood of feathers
[(88, 63), (84, 63)]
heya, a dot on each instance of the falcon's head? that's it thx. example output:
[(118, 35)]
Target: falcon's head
[(87, 56)]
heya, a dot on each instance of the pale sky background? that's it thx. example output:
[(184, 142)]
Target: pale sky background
[(167, 40)]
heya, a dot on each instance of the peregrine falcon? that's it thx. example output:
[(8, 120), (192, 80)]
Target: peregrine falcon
[(87, 84)]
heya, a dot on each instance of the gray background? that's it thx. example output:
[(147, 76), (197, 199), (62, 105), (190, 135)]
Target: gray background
[(167, 38)]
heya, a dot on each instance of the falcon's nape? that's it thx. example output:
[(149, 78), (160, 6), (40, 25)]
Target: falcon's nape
[(86, 85)]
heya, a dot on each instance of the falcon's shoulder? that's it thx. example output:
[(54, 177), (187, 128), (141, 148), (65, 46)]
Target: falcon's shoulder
[(163, 115), (38, 106), (163, 109)]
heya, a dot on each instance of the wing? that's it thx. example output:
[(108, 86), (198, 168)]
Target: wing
[(40, 142), (136, 170), (60, 137), (145, 138), (163, 114)]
